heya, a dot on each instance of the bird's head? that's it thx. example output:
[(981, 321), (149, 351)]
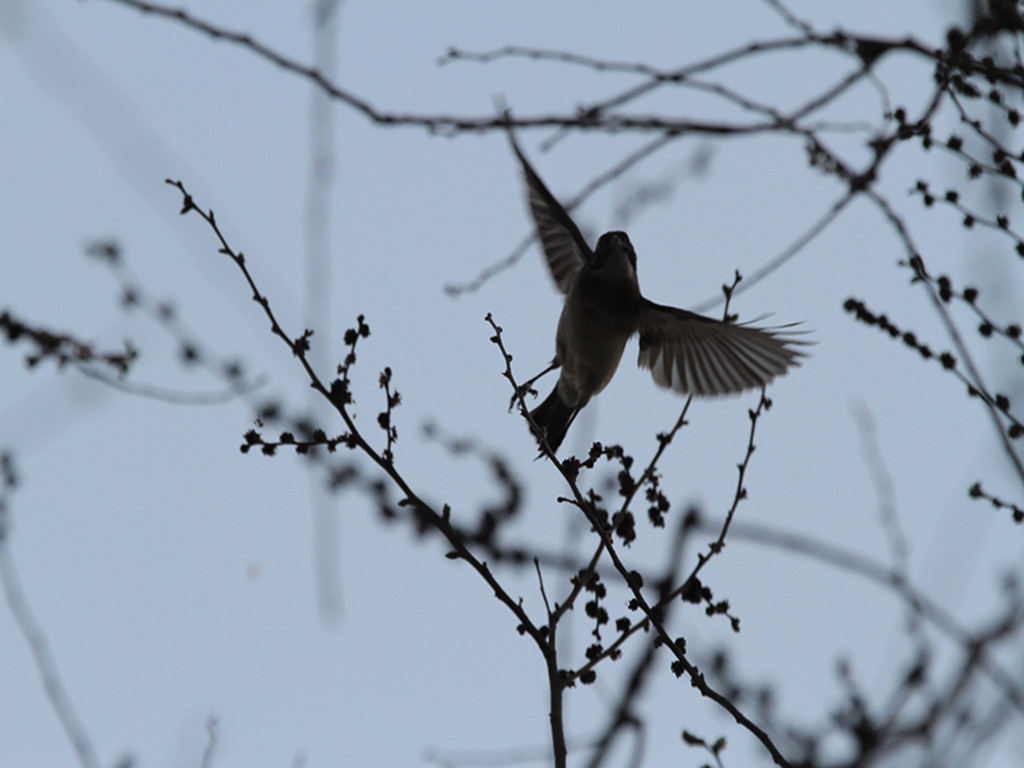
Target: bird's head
[(614, 257)]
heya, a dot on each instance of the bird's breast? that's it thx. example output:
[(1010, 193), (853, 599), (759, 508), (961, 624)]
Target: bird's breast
[(597, 321)]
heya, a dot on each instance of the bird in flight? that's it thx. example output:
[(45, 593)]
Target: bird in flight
[(684, 351)]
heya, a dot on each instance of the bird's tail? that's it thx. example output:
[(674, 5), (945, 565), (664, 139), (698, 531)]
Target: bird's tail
[(553, 418)]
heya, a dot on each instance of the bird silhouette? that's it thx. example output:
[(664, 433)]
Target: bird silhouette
[(684, 351)]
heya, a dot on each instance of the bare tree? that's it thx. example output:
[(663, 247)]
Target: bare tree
[(631, 609)]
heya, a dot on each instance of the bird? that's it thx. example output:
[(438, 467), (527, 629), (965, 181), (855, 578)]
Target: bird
[(684, 351)]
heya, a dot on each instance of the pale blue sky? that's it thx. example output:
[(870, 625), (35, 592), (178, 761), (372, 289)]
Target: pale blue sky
[(173, 575)]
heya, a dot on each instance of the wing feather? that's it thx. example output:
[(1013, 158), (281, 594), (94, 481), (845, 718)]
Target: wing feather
[(565, 248), (698, 355)]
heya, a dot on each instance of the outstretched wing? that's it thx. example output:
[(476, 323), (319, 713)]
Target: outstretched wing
[(698, 355), (565, 248)]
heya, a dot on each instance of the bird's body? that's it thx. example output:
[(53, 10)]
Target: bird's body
[(598, 318), (604, 308)]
